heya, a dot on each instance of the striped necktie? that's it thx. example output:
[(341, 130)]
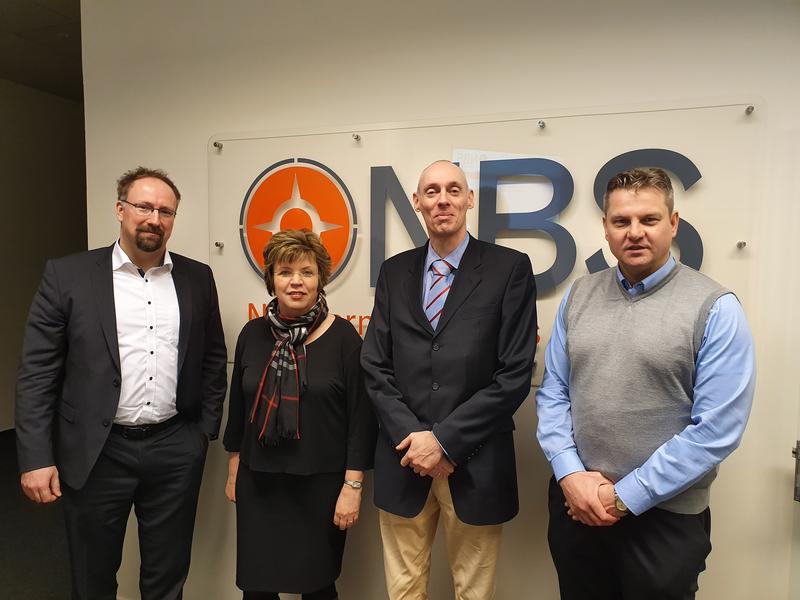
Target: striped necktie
[(436, 294)]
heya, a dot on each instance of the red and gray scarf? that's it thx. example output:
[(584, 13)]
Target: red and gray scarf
[(276, 407)]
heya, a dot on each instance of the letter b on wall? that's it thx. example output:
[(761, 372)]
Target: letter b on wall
[(490, 222)]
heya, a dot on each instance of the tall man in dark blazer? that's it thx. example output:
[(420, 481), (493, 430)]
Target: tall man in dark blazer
[(448, 358), (120, 388)]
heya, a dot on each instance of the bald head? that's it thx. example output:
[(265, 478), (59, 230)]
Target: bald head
[(443, 198), (445, 165)]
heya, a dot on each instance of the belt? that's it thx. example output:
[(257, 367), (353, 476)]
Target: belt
[(141, 432)]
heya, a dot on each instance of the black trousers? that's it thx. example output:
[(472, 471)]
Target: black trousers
[(655, 556), (326, 593), (160, 478)]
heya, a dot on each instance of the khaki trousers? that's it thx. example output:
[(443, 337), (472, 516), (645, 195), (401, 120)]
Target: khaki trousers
[(471, 549)]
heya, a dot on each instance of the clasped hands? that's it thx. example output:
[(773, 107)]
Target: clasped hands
[(590, 498), (424, 455)]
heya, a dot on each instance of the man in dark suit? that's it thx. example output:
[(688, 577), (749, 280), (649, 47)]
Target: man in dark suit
[(120, 387), (448, 358)]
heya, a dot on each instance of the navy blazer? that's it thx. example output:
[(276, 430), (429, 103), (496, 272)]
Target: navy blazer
[(464, 381), (68, 383)]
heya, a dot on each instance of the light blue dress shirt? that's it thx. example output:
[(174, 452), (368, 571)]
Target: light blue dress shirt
[(454, 258), (723, 394)]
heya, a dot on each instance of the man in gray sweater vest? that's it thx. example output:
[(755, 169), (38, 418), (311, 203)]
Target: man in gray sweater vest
[(649, 378)]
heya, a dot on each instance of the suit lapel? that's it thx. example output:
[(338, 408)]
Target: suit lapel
[(414, 288), (103, 291), (468, 275), (183, 289)]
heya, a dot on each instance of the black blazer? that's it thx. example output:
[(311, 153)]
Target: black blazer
[(68, 383), (464, 381)]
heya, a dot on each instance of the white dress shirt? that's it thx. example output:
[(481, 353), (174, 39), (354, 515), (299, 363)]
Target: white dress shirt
[(148, 322)]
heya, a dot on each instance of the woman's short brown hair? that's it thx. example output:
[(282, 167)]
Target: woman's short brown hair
[(294, 244)]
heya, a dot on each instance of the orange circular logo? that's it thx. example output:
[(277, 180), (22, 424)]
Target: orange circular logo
[(298, 193)]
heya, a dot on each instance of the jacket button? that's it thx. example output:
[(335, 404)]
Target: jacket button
[(435, 386), (106, 422), (115, 383), (435, 346)]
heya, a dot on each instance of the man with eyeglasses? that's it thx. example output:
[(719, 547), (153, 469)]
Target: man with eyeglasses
[(120, 388)]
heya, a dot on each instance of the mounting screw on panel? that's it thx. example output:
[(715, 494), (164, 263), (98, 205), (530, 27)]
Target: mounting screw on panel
[(741, 244), (749, 110), (542, 124), (218, 146), (796, 455), (356, 137), (219, 245)]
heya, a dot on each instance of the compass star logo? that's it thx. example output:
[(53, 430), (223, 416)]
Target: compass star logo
[(298, 193)]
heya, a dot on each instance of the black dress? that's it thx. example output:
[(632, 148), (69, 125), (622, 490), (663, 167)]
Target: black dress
[(286, 494)]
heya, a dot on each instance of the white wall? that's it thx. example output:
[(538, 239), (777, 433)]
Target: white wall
[(43, 204), (162, 77)]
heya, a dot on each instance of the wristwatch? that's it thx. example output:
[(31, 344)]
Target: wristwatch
[(619, 504), (356, 485)]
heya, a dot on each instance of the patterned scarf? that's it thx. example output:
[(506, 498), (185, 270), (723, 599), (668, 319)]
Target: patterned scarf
[(276, 407)]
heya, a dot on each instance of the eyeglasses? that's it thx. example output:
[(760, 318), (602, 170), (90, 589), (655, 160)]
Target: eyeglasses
[(146, 210)]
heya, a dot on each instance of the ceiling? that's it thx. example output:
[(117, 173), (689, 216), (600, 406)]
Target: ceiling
[(40, 45)]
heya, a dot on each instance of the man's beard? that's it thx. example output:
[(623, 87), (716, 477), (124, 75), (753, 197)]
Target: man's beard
[(148, 243)]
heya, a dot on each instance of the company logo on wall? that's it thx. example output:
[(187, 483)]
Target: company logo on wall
[(298, 193)]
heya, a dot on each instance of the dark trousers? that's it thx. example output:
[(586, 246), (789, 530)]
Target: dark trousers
[(160, 478), (655, 556), (327, 593)]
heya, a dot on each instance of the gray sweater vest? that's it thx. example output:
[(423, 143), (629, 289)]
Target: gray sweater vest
[(632, 367)]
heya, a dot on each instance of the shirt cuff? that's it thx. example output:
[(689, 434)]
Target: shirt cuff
[(565, 463), (633, 494)]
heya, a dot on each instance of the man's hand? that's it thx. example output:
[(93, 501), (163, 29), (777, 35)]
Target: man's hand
[(443, 469), (424, 455), (582, 491), (41, 485), (606, 495)]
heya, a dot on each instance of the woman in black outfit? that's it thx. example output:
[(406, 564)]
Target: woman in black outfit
[(300, 430)]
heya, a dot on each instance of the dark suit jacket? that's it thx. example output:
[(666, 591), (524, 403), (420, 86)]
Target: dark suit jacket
[(464, 381), (68, 383)]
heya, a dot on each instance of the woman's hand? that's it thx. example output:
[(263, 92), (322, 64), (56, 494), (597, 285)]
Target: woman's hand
[(233, 470), (349, 502)]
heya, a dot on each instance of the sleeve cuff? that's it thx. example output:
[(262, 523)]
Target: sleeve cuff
[(443, 448), (565, 463), (633, 494)]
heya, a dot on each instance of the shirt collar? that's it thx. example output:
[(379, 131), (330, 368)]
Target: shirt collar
[(648, 282), (119, 259), (454, 258)]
